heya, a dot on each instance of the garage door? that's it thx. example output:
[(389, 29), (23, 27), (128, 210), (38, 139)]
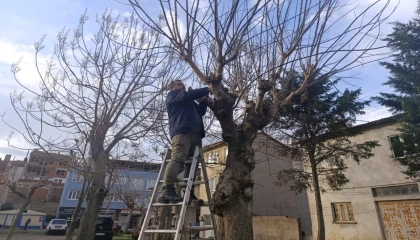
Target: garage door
[(400, 219)]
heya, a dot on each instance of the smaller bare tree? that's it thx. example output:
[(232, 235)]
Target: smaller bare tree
[(80, 201), (28, 199), (129, 192)]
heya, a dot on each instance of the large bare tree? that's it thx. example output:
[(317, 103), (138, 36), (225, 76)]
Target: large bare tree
[(242, 49), (98, 97)]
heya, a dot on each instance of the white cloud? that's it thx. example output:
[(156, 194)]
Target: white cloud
[(11, 53), (170, 15), (127, 14), (373, 113)]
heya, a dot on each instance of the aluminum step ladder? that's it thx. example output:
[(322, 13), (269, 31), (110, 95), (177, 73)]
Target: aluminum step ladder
[(183, 182)]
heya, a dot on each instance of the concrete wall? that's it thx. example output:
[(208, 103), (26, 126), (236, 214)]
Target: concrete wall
[(269, 199), (378, 171), (16, 173), (4, 192), (37, 221), (276, 227)]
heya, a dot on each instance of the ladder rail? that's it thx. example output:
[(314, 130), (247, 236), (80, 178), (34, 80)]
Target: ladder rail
[(154, 195), (206, 183), (187, 193), (198, 158)]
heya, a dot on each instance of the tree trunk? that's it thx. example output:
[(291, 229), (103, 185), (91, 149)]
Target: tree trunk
[(20, 212), (164, 222), (318, 203), (76, 212), (220, 228), (127, 225), (140, 223), (233, 197), (95, 198)]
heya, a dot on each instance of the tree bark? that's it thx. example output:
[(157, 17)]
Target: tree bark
[(96, 196), (318, 203), (76, 212), (127, 225), (164, 222), (233, 197), (20, 212)]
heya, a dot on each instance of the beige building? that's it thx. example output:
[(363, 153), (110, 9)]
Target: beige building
[(269, 199), (379, 202)]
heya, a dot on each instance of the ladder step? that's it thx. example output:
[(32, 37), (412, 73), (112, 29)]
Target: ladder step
[(205, 204), (183, 182), (194, 183), (159, 231), (166, 204)]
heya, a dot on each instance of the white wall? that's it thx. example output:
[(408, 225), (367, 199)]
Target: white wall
[(378, 171), (270, 199)]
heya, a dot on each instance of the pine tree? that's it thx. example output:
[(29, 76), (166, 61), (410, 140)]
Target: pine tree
[(321, 124), (404, 42)]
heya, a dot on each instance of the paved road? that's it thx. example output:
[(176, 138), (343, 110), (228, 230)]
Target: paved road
[(33, 237)]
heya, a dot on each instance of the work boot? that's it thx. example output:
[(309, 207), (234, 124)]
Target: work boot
[(169, 196), (194, 199)]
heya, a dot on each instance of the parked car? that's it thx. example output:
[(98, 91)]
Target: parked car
[(104, 229), (56, 226)]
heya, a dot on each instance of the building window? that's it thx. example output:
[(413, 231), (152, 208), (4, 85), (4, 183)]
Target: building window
[(207, 220), (137, 183), (213, 157), (77, 177), (342, 212), (73, 195), (395, 190), (116, 198), (396, 144), (122, 180), (212, 184), (60, 172), (55, 180)]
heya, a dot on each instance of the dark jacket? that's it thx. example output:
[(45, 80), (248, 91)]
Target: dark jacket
[(184, 114)]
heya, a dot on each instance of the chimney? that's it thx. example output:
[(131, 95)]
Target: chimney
[(7, 157)]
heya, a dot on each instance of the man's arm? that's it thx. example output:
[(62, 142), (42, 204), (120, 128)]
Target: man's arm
[(201, 107), (184, 96)]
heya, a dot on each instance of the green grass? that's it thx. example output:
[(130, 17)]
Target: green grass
[(122, 237)]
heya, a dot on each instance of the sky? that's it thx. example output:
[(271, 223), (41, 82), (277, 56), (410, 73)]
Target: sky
[(25, 22)]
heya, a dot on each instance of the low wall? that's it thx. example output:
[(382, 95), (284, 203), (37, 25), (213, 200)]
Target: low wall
[(276, 227)]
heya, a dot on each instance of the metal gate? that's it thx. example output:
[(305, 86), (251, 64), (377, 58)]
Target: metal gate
[(400, 219)]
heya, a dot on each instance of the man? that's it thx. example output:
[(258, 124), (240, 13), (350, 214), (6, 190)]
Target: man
[(27, 223), (186, 130)]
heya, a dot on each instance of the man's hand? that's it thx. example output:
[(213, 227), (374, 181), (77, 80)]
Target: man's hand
[(207, 100)]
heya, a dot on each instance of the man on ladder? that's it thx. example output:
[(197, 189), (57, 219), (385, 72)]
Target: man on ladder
[(186, 129)]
